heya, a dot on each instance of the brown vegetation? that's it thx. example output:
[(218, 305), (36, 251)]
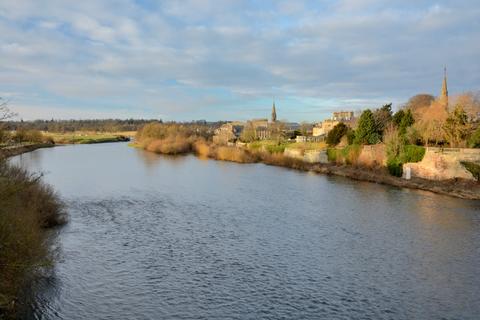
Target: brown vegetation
[(27, 209)]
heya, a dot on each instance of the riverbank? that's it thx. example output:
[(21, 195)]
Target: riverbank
[(87, 137), (28, 209), (19, 149), (459, 188), (60, 139)]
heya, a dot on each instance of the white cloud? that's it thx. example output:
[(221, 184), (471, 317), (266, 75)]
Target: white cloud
[(181, 57)]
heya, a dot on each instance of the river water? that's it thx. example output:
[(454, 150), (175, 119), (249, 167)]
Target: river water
[(155, 237)]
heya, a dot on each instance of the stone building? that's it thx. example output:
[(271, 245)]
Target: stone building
[(228, 132), (342, 115), (324, 127), (274, 113), (443, 99)]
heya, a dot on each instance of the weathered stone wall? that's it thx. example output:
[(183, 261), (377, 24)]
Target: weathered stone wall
[(309, 156), (444, 164), (372, 156)]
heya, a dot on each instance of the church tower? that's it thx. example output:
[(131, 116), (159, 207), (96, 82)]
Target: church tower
[(274, 112), (444, 95)]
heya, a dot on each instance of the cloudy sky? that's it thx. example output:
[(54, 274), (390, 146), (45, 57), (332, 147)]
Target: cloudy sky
[(211, 59)]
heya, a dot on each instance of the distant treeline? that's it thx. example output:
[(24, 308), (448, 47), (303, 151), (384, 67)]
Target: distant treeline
[(99, 125)]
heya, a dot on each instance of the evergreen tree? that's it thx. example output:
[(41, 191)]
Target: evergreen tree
[(366, 132), (335, 135)]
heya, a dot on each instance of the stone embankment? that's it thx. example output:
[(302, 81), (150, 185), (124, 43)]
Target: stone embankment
[(444, 164), (440, 171)]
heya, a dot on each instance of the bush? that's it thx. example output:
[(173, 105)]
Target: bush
[(351, 153), (412, 153), (474, 141), (395, 167), (277, 148), (473, 168), (27, 208), (332, 154), (33, 136), (348, 155)]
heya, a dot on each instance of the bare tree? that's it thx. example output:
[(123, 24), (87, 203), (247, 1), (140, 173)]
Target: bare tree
[(5, 112)]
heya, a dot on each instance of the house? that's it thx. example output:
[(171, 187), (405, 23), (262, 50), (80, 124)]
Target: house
[(342, 115), (324, 127), (229, 132)]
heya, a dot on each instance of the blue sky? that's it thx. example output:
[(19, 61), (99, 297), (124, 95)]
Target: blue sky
[(208, 59)]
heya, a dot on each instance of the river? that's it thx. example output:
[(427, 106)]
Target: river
[(156, 237)]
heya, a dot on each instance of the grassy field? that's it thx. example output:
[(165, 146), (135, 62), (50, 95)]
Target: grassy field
[(308, 145), (273, 146), (88, 137)]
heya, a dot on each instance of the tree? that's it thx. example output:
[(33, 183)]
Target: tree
[(335, 135), (366, 132), (419, 101), (398, 116), (456, 127), (383, 117), (5, 112), (277, 131), (249, 133), (470, 101)]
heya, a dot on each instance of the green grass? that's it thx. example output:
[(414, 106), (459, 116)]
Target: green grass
[(348, 154), (271, 146)]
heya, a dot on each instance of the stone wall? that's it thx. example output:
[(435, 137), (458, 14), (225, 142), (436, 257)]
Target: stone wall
[(372, 156), (309, 156), (444, 164)]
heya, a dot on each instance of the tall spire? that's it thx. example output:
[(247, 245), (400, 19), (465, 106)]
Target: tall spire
[(444, 95), (274, 112)]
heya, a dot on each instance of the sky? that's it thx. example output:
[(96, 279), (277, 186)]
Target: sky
[(226, 60)]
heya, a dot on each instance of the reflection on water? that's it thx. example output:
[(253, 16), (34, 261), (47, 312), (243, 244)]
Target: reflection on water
[(177, 237)]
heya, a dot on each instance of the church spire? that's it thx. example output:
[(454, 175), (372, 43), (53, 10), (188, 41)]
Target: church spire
[(444, 95), (274, 112)]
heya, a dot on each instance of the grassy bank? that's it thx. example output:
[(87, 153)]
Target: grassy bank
[(86, 137), (175, 139), (28, 208), (10, 151)]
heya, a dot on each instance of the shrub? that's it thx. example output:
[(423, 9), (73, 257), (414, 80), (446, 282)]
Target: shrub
[(474, 168), (276, 148), (171, 145), (201, 148), (395, 167), (474, 141), (332, 154), (4, 136), (27, 208), (234, 154), (351, 153), (348, 155), (412, 153), (350, 136)]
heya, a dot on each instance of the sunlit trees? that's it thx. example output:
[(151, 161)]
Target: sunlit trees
[(419, 101), (249, 134), (457, 128), (366, 132), (383, 117), (335, 135)]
